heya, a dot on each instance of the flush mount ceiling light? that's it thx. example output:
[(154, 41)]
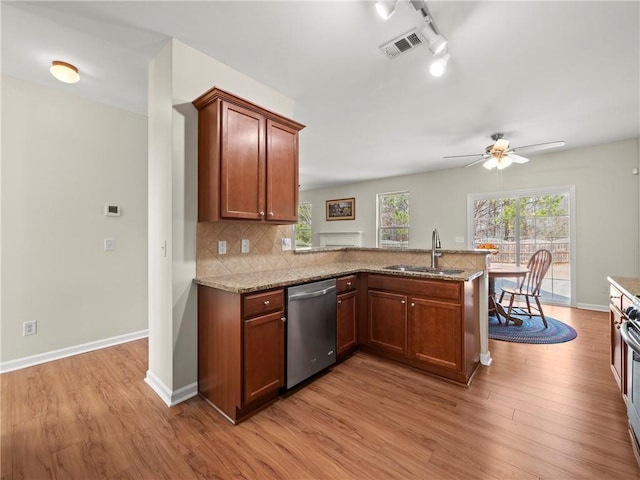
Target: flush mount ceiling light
[(386, 8), (65, 72)]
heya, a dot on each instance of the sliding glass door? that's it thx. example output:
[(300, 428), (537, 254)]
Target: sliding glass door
[(519, 224)]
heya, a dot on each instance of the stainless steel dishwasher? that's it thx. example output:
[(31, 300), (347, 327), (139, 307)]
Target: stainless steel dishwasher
[(311, 329)]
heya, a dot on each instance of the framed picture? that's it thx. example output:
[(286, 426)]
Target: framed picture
[(341, 209)]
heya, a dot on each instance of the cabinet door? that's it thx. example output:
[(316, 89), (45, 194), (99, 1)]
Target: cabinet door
[(346, 329), (242, 163), (388, 321), (282, 173), (617, 353), (263, 355), (435, 332)]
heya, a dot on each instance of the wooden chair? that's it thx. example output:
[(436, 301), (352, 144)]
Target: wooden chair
[(529, 285)]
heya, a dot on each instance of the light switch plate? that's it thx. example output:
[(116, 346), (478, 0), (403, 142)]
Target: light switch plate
[(459, 239), (222, 247), (109, 244), (245, 245), (286, 244)]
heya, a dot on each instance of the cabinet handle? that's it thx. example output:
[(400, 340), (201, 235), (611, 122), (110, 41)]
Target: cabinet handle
[(271, 214), (283, 319), (402, 302), (413, 304), (262, 214), (339, 302), (348, 284), (266, 303)]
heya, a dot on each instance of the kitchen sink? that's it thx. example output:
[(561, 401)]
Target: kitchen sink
[(417, 268)]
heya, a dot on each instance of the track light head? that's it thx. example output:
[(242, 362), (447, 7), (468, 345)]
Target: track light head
[(386, 8), (439, 65)]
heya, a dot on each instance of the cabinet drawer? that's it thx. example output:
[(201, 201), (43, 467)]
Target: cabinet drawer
[(344, 284), (263, 302), (426, 288)]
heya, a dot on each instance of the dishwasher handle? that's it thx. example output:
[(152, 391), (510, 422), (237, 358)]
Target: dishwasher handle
[(317, 293)]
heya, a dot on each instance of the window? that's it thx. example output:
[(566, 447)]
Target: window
[(303, 227), (519, 223), (393, 220)]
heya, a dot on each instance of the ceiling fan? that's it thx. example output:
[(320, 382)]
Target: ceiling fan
[(499, 155)]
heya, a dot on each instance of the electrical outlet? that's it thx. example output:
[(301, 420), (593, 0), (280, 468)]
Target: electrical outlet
[(222, 247), (459, 239), (245, 245), (29, 328), (286, 244), (109, 244)]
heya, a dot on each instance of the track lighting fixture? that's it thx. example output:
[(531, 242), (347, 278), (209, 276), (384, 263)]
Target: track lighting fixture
[(439, 65), (386, 8), (435, 41)]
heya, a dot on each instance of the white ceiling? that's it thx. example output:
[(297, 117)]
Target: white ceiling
[(536, 71)]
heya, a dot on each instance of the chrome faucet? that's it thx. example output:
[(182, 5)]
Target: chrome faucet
[(435, 243)]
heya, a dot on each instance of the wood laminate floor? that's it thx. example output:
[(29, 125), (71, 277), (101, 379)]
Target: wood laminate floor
[(539, 412)]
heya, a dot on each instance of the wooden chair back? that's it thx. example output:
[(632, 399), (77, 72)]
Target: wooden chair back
[(538, 265)]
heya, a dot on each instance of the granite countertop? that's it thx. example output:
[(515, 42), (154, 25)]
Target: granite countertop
[(254, 281), (630, 286)]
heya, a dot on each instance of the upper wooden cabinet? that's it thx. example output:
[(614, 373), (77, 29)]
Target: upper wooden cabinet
[(247, 161)]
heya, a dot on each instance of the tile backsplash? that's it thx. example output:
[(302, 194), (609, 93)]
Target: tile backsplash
[(265, 252)]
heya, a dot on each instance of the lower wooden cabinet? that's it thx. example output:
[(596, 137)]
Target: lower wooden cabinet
[(619, 350), (347, 315), (263, 356), (428, 324), (346, 322), (388, 321), (435, 333), (240, 349)]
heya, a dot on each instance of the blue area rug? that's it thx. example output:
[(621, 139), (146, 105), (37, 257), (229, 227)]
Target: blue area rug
[(531, 331)]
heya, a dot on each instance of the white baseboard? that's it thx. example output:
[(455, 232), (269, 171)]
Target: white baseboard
[(168, 396), (32, 360), (597, 308)]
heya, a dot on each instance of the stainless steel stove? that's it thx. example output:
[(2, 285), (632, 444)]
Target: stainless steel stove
[(630, 331)]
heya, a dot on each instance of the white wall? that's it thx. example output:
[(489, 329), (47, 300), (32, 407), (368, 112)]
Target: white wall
[(607, 207), (63, 159), (178, 75)]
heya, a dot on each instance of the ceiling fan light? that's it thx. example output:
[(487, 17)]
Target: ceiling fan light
[(504, 162), (491, 163), (65, 72), (439, 65), (386, 8), (501, 144)]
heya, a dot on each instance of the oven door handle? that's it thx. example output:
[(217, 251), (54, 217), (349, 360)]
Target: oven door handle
[(628, 339)]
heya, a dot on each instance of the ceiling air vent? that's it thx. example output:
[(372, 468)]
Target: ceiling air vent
[(403, 43)]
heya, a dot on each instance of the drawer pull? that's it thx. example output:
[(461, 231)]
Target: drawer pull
[(262, 214), (283, 319), (413, 304), (266, 303), (339, 302), (402, 302), (348, 284), (271, 214)]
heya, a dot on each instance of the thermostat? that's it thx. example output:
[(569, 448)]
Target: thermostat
[(112, 210)]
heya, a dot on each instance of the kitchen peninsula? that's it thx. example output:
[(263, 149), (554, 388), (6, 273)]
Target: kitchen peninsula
[(426, 320)]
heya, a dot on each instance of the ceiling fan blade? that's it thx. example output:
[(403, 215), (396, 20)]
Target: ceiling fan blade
[(484, 157), (517, 158), (540, 146), (471, 155)]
